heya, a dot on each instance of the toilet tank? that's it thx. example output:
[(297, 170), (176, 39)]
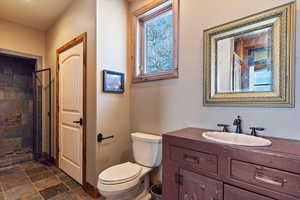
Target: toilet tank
[(147, 149)]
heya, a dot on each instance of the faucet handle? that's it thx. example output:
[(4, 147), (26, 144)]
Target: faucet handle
[(225, 127), (254, 129)]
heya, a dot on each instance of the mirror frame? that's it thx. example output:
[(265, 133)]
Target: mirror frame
[(285, 96)]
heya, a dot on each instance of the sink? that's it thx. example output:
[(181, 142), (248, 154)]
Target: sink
[(237, 139)]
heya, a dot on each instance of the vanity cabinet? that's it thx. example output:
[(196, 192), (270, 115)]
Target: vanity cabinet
[(195, 168), (194, 186)]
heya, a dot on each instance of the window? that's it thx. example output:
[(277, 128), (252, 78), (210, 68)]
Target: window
[(156, 41)]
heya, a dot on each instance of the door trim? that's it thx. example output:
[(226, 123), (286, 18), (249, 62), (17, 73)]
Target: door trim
[(68, 45)]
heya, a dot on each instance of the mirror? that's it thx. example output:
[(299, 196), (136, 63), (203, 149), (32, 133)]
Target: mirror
[(250, 62), (244, 62)]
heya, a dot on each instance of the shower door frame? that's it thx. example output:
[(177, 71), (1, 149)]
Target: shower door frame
[(50, 158)]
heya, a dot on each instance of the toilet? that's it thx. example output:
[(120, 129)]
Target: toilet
[(130, 181)]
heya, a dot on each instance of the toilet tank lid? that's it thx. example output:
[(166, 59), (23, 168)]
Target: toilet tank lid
[(146, 137)]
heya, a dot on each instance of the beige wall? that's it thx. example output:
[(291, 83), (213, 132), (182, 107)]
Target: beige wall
[(167, 105), (21, 39), (107, 113), (113, 109), (80, 17)]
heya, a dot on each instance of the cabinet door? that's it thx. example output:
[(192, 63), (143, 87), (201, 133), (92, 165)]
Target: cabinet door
[(233, 193), (197, 187)]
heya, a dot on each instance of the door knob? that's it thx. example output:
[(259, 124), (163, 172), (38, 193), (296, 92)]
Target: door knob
[(80, 122)]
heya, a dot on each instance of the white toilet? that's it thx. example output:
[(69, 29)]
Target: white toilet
[(130, 181)]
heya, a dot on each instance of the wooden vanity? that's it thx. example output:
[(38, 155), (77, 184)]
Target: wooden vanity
[(195, 168)]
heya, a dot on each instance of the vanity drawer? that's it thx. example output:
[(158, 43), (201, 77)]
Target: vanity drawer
[(195, 159), (274, 179), (233, 193)]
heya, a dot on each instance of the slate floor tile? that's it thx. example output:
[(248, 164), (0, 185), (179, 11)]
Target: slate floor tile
[(14, 180), (64, 178), (21, 192), (56, 171), (2, 196), (66, 195), (46, 183), (36, 170), (35, 181), (36, 196), (84, 196), (72, 184), (8, 171), (29, 165), (53, 191), (40, 176)]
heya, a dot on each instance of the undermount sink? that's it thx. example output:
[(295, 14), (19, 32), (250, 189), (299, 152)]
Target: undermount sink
[(237, 139)]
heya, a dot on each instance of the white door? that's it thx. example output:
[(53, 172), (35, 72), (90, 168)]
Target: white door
[(71, 111)]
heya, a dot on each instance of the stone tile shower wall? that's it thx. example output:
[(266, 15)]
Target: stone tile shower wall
[(16, 109)]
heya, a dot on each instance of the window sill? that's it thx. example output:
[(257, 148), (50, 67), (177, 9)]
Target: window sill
[(156, 77)]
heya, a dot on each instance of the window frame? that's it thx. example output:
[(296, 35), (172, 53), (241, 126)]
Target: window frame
[(139, 42)]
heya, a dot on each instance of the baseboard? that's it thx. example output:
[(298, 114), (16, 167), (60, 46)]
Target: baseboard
[(91, 190)]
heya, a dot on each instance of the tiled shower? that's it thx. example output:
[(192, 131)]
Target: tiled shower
[(19, 106)]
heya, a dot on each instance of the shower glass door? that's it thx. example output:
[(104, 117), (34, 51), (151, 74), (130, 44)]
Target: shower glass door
[(42, 149)]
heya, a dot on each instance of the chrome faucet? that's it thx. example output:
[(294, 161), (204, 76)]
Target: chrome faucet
[(238, 123)]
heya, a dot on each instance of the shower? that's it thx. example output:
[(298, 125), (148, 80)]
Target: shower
[(25, 110)]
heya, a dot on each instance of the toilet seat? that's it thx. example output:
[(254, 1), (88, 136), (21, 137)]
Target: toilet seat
[(119, 174), (109, 186)]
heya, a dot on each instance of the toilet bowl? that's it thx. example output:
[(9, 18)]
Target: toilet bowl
[(124, 181), (130, 181)]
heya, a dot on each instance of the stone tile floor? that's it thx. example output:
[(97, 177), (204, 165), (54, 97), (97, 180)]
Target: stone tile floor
[(35, 181)]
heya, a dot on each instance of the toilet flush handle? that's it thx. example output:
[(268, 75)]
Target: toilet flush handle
[(100, 137)]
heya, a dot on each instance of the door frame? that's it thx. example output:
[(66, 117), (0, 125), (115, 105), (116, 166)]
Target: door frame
[(68, 45)]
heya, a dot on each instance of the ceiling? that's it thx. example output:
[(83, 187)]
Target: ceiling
[(38, 14)]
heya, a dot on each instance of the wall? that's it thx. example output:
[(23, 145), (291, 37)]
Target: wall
[(113, 109), (22, 39), (77, 19), (107, 113), (163, 106)]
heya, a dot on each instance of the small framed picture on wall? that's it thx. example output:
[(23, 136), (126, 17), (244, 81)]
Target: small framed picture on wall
[(113, 82)]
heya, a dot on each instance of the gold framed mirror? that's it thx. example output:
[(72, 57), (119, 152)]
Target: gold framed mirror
[(250, 61)]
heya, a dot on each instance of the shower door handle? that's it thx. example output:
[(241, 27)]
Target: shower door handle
[(80, 122)]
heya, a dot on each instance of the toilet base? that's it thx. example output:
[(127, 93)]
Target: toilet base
[(139, 192), (146, 196)]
